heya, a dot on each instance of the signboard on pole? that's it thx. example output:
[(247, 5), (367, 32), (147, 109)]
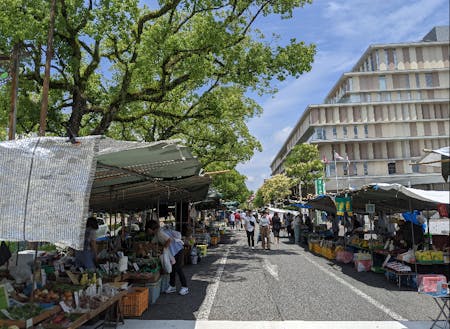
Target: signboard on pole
[(320, 186)]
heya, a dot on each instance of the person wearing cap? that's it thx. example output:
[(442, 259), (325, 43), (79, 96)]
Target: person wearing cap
[(264, 228)]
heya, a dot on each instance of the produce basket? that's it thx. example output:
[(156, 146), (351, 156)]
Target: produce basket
[(135, 302)]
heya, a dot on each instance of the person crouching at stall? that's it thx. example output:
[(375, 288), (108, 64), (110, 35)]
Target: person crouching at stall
[(87, 258), (176, 249)]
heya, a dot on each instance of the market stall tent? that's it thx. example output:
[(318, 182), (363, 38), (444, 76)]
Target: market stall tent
[(324, 203), (46, 183), (396, 198)]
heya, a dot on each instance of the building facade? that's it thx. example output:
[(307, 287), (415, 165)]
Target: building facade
[(379, 117)]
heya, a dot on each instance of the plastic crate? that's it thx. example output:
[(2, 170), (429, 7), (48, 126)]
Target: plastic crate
[(135, 302)]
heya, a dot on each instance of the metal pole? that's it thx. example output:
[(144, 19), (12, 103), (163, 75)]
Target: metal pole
[(45, 87), (335, 170), (14, 91)]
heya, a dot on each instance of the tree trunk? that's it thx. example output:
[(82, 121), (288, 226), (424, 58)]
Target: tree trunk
[(78, 108)]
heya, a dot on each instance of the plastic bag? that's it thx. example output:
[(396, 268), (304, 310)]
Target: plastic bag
[(166, 262)]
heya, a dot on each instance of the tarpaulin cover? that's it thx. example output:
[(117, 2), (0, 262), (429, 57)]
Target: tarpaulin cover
[(46, 182), (44, 188)]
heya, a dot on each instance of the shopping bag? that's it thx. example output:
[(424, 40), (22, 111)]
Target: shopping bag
[(166, 261)]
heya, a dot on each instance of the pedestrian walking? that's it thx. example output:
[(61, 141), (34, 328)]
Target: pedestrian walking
[(276, 226), (237, 219), (264, 228), (249, 224), (231, 220)]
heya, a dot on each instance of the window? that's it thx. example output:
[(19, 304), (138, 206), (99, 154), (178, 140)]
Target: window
[(332, 169), (366, 130), (355, 98), (382, 82), (377, 59), (415, 168), (368, 98), (366, 170), (372, 62), (386, 56), (394, 57), (334, 132), (386, 97), (408, 95), (355, 130), (345, 168), (429, 79), (391, 168), (399, 96), (350, 84), (355, 169), (344, 129), (417, 80), (320, 133), (418, 95)]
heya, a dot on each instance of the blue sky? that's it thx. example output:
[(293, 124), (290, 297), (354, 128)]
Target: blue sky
[(342, 30)]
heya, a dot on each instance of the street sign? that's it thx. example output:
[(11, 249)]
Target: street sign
[(320, 186)]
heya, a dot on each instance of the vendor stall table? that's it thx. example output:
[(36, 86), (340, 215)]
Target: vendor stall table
[(399, 275), (113, 313)]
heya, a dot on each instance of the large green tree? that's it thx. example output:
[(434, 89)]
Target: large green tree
[(231, 185), (276, 189), (303, 164), (176, 69)]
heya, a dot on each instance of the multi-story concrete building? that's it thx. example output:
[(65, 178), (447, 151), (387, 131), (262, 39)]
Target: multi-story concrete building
[(381, 115)]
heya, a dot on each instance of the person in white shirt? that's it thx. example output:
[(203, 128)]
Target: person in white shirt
[(231, 221), (264, 228), (249, 224)]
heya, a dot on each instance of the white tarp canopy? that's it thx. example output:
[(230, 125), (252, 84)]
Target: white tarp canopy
[(397, 198), (46, 182), (282, 211)]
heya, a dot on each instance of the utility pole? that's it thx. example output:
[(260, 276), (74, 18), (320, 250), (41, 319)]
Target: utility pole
[(48, 60), (14, 91)]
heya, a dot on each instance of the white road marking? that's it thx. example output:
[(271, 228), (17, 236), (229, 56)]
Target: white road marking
[(372, 301), (211, 291), (271, 268), (192, 324)]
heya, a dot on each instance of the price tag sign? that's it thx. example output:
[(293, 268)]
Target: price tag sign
[(29, 323), (136, 267)]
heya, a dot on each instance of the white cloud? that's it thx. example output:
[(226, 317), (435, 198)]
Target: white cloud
[(281, 135)]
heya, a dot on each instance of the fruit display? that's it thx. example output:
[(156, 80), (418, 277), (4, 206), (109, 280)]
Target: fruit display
[(430, 256), (45, 296)]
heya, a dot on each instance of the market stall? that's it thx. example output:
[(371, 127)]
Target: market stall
[(50, 186)]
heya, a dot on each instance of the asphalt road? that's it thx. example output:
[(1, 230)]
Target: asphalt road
[(235, 283)]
